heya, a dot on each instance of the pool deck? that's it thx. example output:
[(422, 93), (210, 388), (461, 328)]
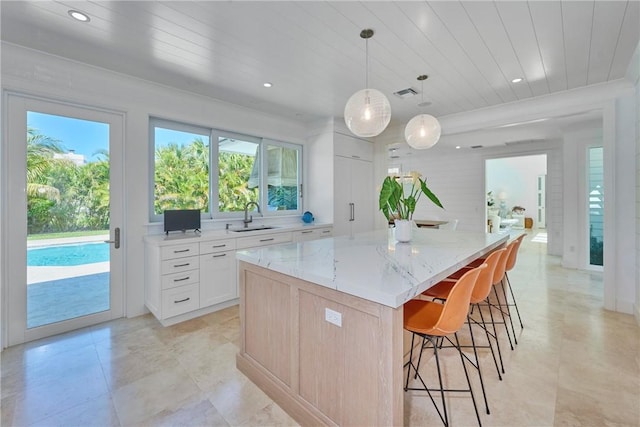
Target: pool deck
[(67, 240), (46, 274)]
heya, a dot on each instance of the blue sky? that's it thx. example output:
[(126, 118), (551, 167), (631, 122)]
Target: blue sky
[(82, 136), (166, 136), (87, 137)]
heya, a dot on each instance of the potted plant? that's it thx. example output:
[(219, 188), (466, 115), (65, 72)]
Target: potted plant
[(398, 205)]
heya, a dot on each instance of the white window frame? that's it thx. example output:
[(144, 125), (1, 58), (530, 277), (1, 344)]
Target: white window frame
[(214, 135)]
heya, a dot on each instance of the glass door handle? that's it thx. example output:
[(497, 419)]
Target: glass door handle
[(116, 238)]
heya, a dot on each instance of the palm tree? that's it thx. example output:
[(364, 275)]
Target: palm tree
[(40, 151)]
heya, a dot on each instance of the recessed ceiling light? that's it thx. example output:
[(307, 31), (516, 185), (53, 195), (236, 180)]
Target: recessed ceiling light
[(267, 84), (457, 147), (79, 16), (516, 80)]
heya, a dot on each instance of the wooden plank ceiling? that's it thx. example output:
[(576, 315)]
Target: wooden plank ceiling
[(312, 53)]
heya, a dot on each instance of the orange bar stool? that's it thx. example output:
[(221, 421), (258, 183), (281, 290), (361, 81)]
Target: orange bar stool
[(498, 277), (511, 262), (481, 291), (432, 320)]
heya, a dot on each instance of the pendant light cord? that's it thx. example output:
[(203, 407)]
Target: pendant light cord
[(366, 49)]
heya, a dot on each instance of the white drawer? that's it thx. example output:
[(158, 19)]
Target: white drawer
[(180, 279), (263, 240), (177, 265), (179, 251), (312, 234), (217, 246), (180, 300), (325, 232)]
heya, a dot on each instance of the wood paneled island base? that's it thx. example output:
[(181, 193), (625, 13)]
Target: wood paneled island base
[(318, 372)]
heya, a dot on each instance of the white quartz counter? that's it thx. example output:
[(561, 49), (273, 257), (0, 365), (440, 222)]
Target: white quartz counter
[(373, 265), (220, 234)]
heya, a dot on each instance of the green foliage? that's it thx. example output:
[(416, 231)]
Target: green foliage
[(283, 197), (63, 196), (234, 171), (393, 201), (182, 177)]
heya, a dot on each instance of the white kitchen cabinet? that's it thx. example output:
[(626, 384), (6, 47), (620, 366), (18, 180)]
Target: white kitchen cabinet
[(188, 279), (172, 285), (312, 234), (218, 281), (354, 188), (194, 276)]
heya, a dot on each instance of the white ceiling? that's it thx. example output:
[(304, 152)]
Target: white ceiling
[(313, 54)]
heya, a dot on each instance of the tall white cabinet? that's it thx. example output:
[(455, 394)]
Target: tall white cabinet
[(354, 188)]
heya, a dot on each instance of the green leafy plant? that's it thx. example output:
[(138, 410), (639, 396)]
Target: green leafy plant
[(396, 204)]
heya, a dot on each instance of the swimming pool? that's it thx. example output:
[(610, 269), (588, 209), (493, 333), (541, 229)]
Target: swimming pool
[(68, 255)]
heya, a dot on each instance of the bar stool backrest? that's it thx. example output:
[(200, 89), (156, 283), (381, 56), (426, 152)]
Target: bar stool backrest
[(486, 277), (501, 267), (455, 308), (511, 262)]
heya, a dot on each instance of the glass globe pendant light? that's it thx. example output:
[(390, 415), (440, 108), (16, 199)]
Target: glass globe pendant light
[(423, 131), (368, 112)]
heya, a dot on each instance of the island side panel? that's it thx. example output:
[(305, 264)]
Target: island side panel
[(268, 324), (349, 375), (347, 357)]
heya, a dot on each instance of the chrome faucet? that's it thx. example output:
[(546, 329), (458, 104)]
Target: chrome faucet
[(247, 218)]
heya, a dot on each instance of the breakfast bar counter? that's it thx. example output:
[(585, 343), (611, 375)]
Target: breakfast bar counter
[(321, 321)]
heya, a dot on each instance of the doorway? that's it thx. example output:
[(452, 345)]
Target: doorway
[(65, 266), (516, 187)]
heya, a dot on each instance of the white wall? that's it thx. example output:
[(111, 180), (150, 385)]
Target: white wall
[(31, 72), (517, 179), (634, 75)]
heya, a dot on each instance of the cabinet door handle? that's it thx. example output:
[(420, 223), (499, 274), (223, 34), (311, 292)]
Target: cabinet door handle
[(219, 246), (307, 232), (182, 280), (181, 265), (266, 240), (219, 256), (352, 211), (181, 300), (181, 251), (326, 231)]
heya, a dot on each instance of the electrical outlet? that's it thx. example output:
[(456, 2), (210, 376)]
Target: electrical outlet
[(333, 317)]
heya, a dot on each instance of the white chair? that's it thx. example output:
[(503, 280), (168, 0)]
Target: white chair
[(451, 225)]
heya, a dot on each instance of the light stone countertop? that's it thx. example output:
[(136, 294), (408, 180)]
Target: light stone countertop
[(220, 234), (373, 265)]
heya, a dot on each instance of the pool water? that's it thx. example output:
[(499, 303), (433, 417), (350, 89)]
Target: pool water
[(68, 255)]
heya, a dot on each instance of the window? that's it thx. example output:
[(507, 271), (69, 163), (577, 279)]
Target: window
[(242, 168), (596, 206)]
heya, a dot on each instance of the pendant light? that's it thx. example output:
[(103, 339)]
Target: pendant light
[(368, 112), (423, 131)]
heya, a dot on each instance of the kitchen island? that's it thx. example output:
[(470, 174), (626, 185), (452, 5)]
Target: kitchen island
[(321, 321)]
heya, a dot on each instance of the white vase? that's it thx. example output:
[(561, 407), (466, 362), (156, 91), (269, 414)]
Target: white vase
[(403, 230)]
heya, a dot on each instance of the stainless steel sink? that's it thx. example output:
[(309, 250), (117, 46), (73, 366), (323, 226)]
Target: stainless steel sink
[(256, 228)]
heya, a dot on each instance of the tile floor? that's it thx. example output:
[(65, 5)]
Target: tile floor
[(575, 365)]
